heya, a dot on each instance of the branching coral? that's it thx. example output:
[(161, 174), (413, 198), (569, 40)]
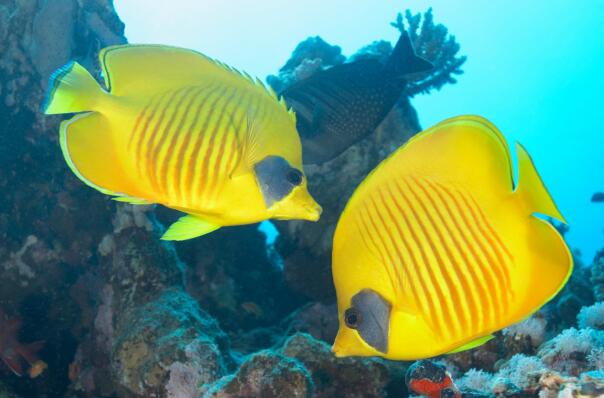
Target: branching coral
[(592, 317), (432, 42), (522, 371), (476, 380), (571, 350), (533, 328)]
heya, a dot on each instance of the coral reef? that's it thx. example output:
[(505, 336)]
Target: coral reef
[(123, 314), (592, 317)]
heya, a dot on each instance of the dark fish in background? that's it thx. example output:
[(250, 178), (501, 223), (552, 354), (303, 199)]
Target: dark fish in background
[(598, 197), (337, 107)]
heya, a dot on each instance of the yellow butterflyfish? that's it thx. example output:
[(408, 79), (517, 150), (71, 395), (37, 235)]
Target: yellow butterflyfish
[(177, 128), (438, 248)]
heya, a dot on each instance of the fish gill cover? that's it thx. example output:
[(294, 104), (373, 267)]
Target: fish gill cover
[(124, 314)]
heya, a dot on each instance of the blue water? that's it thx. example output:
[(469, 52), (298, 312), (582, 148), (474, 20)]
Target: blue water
[(534, 68)]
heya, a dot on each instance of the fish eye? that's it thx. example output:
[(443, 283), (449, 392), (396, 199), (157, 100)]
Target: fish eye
[(352, 318), (294, 176)]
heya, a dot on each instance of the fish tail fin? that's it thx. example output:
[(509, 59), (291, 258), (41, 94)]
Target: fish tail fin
[(403, 59), (71, 89), (545, 250), (531, 188)]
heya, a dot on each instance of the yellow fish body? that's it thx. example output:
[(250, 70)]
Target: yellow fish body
[(182, 130), (437, 249)]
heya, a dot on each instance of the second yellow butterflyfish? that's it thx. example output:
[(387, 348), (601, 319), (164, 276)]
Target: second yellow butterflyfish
[(177, 128), (438, 248)]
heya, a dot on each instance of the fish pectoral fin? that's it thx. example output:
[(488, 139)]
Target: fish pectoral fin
[(188, 227), (131, 200), (472, 344)]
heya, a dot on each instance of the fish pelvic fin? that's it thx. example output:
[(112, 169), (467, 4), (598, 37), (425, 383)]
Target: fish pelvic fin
[(404, 60), (188, 227), (531, 189), (132, 201), (472, 344), (71, 89)]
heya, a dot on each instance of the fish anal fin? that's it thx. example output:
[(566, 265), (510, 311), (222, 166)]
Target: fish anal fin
[(472, 344), (188, 227), (88, 147)]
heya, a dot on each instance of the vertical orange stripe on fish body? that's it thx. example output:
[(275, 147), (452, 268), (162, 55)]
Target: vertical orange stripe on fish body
[(456, 301), (161, 145), (186, 144), (189, 178), (470, 302), (202, 167), (171, 151), (153, 136), (212, 162)]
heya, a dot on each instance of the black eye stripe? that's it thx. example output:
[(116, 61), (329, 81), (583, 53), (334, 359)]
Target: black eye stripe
[(372, 318), (276, 178)]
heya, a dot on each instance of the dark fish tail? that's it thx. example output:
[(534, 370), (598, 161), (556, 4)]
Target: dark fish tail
[(404, 61)]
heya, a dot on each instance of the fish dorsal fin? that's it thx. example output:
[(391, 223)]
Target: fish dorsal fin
[(188, 227), (473, 344), (140, 69), (466, 152)]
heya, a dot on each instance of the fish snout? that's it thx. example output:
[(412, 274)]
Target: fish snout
[(313, 211), (337, 351), (304, 206)]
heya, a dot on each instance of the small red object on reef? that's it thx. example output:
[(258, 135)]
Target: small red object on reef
[(431, 379), (16, 355)]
